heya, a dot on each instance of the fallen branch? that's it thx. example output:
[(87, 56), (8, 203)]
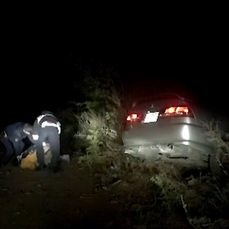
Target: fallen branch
[(186, 211)]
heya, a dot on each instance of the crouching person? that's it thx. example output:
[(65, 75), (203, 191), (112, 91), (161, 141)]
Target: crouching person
[(46, 129), (14, 141)]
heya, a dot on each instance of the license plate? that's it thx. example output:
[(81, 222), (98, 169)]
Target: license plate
[(151, 117)]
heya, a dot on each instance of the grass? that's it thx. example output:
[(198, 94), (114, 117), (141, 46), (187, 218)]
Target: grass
[(150, 192)]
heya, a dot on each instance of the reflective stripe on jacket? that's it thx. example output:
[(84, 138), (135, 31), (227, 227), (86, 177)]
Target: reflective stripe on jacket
[(48, 120)]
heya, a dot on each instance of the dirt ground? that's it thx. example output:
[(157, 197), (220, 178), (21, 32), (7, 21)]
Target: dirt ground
[(40, 199), (70, 198)]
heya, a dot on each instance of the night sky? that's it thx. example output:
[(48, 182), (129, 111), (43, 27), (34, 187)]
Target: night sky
[(37, 70)]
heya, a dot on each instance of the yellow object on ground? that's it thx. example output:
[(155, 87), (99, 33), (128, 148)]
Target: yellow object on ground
[(29, 162)]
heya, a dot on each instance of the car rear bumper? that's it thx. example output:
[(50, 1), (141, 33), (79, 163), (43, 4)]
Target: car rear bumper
[(165, 131), (172, 139)]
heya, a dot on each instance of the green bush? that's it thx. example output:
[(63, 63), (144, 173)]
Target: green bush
[(100, 116)]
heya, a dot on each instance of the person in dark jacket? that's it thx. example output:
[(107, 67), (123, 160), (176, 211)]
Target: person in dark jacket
[(13, 141), (46, 129)]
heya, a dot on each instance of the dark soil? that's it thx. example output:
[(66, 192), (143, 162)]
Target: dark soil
[(66, 199), (75, 197)]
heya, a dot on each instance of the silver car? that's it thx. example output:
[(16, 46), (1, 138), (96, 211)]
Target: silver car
[(167, 127)]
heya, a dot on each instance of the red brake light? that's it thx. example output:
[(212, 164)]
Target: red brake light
[(177, 111), (134, 117)]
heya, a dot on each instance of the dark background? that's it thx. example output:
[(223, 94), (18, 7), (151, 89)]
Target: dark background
[(37, 67)]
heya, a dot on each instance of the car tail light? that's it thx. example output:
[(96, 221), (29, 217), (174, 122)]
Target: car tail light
[(177, 111), (134, 117)]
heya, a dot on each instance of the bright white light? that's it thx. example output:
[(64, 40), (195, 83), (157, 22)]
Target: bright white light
[(151, 117), (185, 143), (185, 133), (44, 144), (35, 137)]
